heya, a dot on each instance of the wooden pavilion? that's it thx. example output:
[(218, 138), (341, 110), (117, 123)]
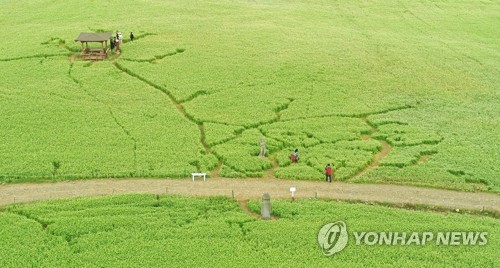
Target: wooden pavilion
[(94, 54)]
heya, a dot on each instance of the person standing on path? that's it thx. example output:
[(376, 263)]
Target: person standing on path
[(328, 172), (117, 45), (119, 36)]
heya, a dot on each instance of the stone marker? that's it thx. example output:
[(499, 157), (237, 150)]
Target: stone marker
[(265, 210)]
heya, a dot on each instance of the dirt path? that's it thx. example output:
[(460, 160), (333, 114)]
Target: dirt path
[(245, 189), (386, 149)]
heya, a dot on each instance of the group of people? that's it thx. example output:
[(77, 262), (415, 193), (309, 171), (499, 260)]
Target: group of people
[(118, 39), (294, 157)]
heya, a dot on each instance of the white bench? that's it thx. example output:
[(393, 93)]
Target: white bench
[(199, 174)]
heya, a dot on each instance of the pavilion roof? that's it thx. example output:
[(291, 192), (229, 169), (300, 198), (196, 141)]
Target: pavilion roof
[(93, 37)]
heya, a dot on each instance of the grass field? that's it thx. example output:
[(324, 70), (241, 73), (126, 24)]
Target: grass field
[(151, 231), (204, 81)]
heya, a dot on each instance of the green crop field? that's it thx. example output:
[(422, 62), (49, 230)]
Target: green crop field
[(204, 81), (158, 231)]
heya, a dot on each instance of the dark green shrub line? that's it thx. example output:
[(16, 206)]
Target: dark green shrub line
[(176, 103), (277, 110), (55, 165), (263, 167), (366, 165), (389, 122), (195, 95), (424, 142), (67, 237), (196, 164), (241, 225), (37, 56), (71, 76), (157, 57), (137, 37), (203, 138), (224, 162), (399, 165), (220, 159), (353, 115), (224, 123), (399, 108), (260, 123), (456, 172), (370, 124), (140, 60), (475, 180), (211, 144), (284, 106), (60, 42), (428, 152), (284, 142), (28, 216), (160, 88)]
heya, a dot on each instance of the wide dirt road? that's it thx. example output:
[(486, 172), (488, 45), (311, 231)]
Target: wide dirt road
[(251, 189)]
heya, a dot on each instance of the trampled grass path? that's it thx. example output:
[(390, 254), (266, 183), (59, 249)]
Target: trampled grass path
[(244, 189)]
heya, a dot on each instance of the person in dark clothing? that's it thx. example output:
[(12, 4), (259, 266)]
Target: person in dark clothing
[(112, 44), (328, 173), (131, 36)]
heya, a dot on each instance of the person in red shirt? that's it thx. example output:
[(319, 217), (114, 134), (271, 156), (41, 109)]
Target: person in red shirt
[(328, 171)]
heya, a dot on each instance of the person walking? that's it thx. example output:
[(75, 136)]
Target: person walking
[(328, 172), (117, 45), (119, 36), (131, 36)]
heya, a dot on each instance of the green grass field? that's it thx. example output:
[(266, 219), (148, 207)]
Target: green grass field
[(152, 231), (205, 80)]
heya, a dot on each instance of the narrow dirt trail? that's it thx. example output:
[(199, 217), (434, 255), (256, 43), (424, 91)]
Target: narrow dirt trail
[(386, 149), (245, 189)]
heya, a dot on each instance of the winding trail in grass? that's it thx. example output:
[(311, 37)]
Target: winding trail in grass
[(245, 189), (386, 149)]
